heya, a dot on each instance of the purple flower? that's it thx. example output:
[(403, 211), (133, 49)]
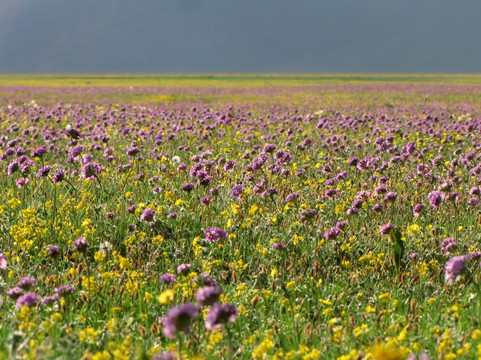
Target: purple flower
[(279, 246), (331, 193), (214, 234), (64, 290), (390, 196), (205, 280), (173, 215), (110, 214), (80, 244), (414, 256), (50, 299), (269, 148), (179, 319), (220, 315), (148, 215), (292, 197), (436, 199), (164, 356), (205, 200), (21, 182), (332, 233), (58, 176), (454, 267), (208, 295), (417, 209), (43, 172), (29, 299), (133, 151), (385, 229), (183, 269), (76, 151), (14, 293), (342, 224), (168, 278), (90, 170), (230, 165), (39, 152), (3, 262), (188, 187), (236, 191), (27, 282), (447, 245), (377, 208), (53, 251)]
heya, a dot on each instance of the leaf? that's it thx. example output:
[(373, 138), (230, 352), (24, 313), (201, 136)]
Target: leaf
[(398, 248)]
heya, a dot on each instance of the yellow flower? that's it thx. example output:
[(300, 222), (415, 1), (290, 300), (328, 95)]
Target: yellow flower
[(166, 297), (88, 335)]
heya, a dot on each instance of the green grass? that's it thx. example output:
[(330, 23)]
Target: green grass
[(231, 80)]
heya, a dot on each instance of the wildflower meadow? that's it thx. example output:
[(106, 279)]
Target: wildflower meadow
[(240, 218)]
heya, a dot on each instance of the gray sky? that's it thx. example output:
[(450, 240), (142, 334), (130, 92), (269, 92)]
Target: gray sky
[(178, 36)]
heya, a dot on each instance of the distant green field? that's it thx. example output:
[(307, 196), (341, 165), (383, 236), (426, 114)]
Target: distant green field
[(231, 80)]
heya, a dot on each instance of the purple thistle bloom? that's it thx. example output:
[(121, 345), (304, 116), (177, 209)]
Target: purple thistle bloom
[(205, 280), (230, 165), (21, 182), (332, 233), (236, 191), (27, 282), (454, 267), (436, 199), (3, 262), (43, 172), (76, 151), (64, 290), (183, 269), (188, 187), (342, 224), (279, 246), (50, 299), (173, 215), (14, 293), (208, 295), (90, 170), (292, 197), (80, 244), (448, 245), (179, 319), (214, 234), (417, 209), (58, 177), (473, 201), (133, 151), (220, 315), (385, 229), (377, 208), (29, 299), (205, 200), (269, 148), (168, 278), (164, 356), (148, 215), (331, 193), (390, 196), (53, 251), (39, 152)]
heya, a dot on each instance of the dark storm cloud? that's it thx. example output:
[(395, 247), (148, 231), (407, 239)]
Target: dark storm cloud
[(239, 36)]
